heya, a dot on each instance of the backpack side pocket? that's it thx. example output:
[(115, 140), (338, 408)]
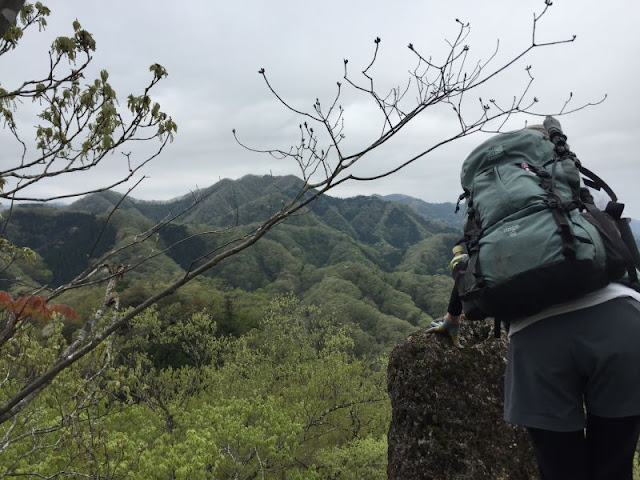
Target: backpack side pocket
[(618, 257)]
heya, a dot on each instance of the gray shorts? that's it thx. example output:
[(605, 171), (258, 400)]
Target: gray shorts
[(561, 366)]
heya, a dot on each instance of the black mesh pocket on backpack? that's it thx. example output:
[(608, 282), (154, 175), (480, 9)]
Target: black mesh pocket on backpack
[(618, 256)]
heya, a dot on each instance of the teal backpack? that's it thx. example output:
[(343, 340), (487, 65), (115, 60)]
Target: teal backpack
[(532, 232)]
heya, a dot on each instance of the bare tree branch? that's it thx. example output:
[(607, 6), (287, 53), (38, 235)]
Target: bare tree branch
[(318, 154)]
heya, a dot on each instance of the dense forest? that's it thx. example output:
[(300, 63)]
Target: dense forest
[(380, 263), (272, 365), (288, 399)]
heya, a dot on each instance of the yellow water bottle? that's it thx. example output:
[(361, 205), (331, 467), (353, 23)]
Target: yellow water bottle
[(459, 260)]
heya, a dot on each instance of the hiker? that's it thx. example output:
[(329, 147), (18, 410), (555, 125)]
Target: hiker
[(582, 355), (572, 377)]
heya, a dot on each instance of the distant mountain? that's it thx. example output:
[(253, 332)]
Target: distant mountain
[(445, 212), (382, 231), (436, 212), (243, 201), (377, 263)]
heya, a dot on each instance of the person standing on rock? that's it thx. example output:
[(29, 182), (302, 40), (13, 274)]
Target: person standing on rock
[(573, 380), (573, 363)]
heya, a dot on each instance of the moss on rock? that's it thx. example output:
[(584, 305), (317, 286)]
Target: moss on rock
[(447, 410)]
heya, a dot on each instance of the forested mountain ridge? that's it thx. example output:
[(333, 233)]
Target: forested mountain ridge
[(279, 353), (253, 198), (378, 263), (437, 212)]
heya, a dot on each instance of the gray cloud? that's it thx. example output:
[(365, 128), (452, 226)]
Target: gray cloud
[(213, 51)]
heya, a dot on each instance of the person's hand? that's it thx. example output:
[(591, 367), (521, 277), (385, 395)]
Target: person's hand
[(446, 325), (457, 262)]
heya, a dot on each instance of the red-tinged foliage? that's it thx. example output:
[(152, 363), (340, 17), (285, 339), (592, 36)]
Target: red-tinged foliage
[(65, 311), (31, 306), (34, 307), (5, 299)]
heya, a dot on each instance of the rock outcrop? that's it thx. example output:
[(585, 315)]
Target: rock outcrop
[(447, 410)]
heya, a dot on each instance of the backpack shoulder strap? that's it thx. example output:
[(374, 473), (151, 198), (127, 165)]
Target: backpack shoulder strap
[(594, 181)]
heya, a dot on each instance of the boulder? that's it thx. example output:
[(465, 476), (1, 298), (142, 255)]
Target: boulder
[(447, 410)]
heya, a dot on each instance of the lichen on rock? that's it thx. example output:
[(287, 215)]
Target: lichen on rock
[(447, 410)]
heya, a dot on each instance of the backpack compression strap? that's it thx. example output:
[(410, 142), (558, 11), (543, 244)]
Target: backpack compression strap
[(595, 182), (615, 209), (559, 209), (559, 140)]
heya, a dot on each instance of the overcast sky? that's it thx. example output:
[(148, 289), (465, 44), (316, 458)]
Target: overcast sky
[(214, 49)]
